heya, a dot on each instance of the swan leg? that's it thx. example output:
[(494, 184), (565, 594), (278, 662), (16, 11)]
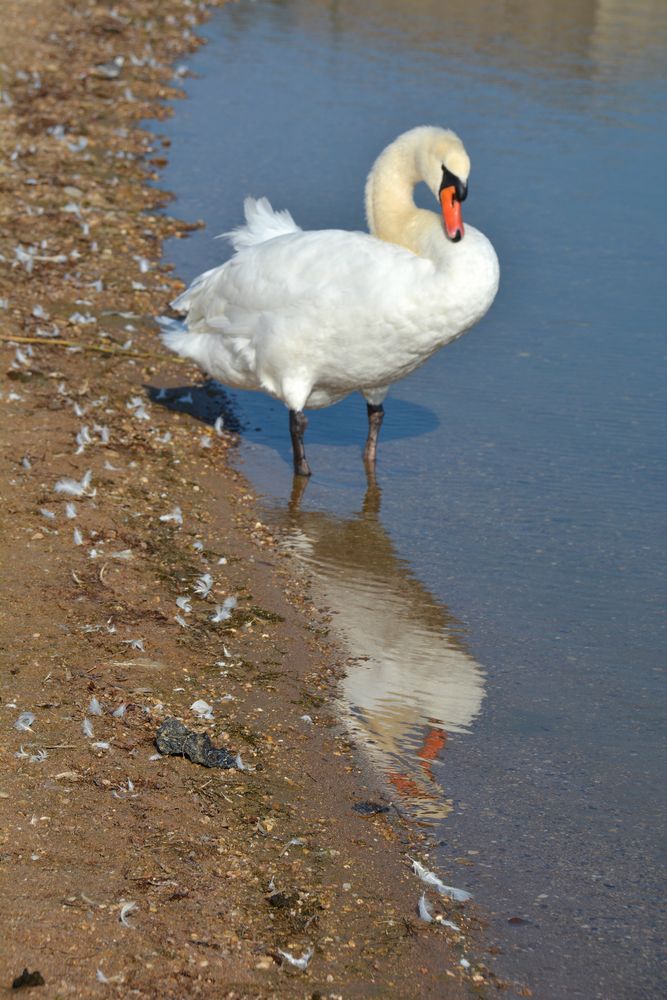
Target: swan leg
[(375, 417), (297, 425)]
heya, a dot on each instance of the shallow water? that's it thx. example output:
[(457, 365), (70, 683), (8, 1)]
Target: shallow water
[(507, 576)]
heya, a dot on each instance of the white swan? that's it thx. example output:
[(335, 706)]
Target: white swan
[(310, 317)]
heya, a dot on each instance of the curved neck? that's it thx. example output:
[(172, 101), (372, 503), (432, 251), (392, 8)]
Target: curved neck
[(391, 212)]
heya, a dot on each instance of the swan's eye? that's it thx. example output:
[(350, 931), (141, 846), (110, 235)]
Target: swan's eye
[(450, 179)]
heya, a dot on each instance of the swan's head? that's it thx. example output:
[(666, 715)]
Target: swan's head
[(426, 153), (445, 167)]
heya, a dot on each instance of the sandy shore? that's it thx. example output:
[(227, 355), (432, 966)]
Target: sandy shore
[(225, 868)]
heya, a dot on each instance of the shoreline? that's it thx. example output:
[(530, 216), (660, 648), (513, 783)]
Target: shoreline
[(225, 869)]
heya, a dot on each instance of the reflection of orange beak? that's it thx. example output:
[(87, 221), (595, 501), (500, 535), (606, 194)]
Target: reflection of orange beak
[(451, 213)]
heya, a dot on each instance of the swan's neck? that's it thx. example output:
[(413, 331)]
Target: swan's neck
[(390, 208)]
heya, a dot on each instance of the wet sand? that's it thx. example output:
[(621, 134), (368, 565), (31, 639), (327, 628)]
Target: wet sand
[(225, 868)]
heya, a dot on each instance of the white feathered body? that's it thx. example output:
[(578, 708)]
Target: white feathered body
[(310, 317)]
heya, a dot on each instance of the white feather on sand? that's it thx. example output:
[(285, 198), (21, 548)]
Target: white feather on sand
[(430, 878)]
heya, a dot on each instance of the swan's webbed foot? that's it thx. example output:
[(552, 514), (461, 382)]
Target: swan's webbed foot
[(297, 425), (375, 417)]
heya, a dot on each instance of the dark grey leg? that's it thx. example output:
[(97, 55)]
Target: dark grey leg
[(375, 417), (297, 425)]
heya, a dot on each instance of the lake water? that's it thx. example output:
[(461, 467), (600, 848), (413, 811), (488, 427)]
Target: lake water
[(506, 576)]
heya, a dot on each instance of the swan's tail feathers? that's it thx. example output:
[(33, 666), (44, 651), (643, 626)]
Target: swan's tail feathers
[(262, 224), (168, 324), (195, 346), (182, 303)]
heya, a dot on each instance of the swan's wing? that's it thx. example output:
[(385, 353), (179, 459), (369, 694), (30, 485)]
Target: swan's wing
[(262, 223), (304, 309), (334, 273)]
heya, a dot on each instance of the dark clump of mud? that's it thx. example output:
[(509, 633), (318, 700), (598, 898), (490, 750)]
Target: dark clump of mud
[(175, 739)]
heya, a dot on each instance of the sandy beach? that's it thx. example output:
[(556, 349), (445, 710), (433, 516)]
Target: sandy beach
[(124, 872)]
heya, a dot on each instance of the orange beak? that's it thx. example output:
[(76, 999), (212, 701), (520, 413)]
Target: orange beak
[(451, 213)]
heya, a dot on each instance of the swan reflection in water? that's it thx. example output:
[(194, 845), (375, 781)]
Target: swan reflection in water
[(413, 683)]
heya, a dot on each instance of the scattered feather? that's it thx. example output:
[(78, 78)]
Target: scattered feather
[(224, 611), (202, 709), (43, 332), (70, 510), (124, 790), (306, 718), (99, 975), (430, 878), (184, 604), (45, 512), (87, 728), (198, 546), (137, 404), (103, 432), (205, 441), (448, 923), (181, 621), (94, 707), (423, 909), (125, 910), (134, 644), (465, 963), (203, 585), (187, 399), (125, 554), (218, 426), (83, 438), (74, 488), (26, 463), (299, 963), (81, 319), (175, 515), (165, 438), (155, 756), (119, 713), (34, 758), (111, 468), (294, 842), (78, 537), (25, 721), (240, 765), (102, 745)]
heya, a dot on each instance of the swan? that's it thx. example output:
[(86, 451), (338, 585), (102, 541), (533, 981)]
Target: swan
[(311, 316)]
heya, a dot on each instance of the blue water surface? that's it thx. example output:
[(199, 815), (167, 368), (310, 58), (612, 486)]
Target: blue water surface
[(521, 473)]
